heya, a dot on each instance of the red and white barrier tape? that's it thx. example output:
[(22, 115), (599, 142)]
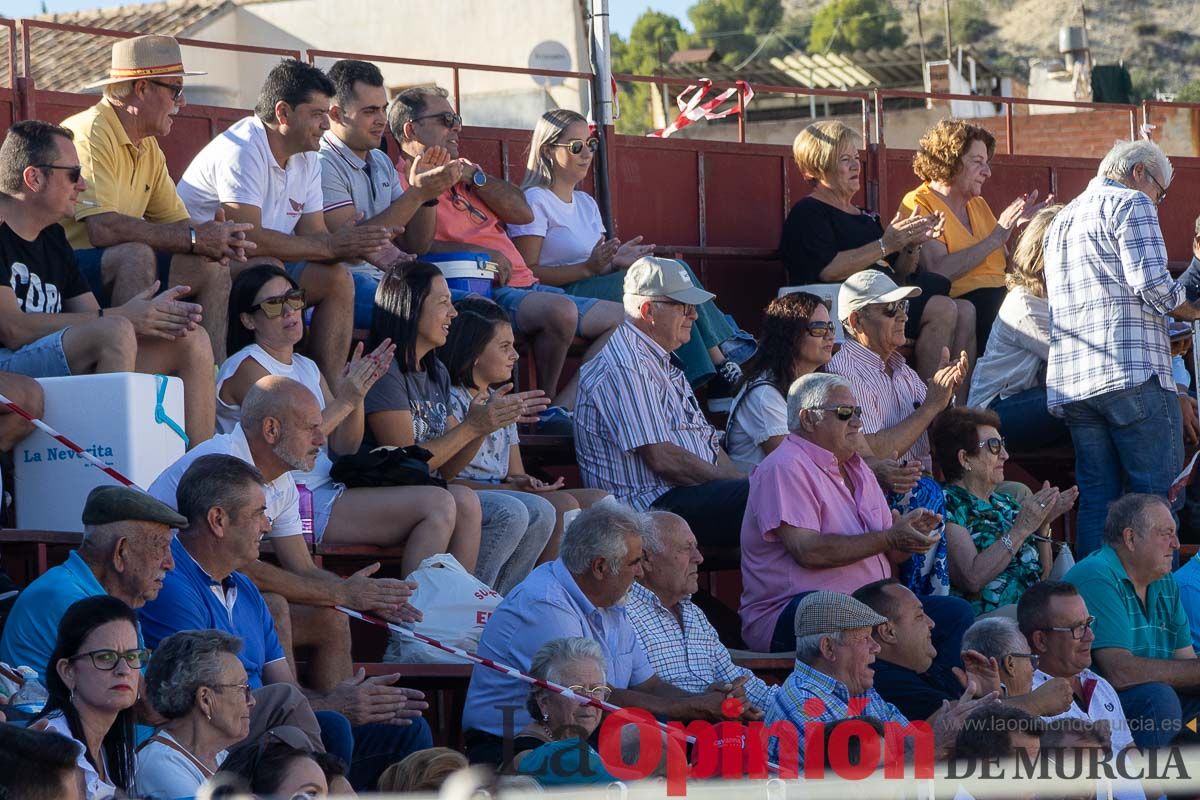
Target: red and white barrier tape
[(691, 108), (46, 429)]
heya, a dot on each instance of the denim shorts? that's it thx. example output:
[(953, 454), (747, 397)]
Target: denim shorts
[(44, 358), (89, 265), (365, 284), (510, 300)]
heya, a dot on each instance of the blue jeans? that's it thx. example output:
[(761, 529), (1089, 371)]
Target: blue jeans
[(1157, 713), (1125, 441), (516, 528), (370, 749), (1025, 422)]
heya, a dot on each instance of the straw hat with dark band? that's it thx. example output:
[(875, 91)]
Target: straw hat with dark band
[(144, 57)]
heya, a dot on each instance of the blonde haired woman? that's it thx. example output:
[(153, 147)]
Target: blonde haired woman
[(566, 244), (1010, 377)]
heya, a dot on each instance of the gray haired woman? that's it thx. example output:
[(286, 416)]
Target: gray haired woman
[(197, 682)]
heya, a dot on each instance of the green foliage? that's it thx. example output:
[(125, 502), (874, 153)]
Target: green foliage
[(970, 21), (844, 26), (734, 27), (654, 35), (1190, 93)]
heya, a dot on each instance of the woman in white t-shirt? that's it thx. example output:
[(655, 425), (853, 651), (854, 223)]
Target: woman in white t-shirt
[(566, 245), (266, 321), (479, 354), (797, 339)]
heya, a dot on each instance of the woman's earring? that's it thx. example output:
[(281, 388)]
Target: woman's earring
[(967, 467)]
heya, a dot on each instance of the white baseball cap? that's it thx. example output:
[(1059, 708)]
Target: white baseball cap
[(869, 287)]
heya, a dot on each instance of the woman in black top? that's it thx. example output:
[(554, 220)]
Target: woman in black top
[(827, 238)]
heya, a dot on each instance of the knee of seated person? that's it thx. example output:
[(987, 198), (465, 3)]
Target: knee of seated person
[(333, 624), (277, 605), (940, 309), (116, 333), (966, 312), (195, 347), (441, 508), (25, 392), (562, 317), (466, 500), (134, 256)]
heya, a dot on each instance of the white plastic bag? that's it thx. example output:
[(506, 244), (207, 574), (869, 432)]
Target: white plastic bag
[(456, 605)]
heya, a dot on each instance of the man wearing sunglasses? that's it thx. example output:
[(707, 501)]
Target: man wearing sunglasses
[(50, 322), (264, 170), (131, 228), (1109, 373)]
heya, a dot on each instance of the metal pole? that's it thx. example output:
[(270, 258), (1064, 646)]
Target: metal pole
[(602, 98), (949, 53), (921, 37), (1196, 358)]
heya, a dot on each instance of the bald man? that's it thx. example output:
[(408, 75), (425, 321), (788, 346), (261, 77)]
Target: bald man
[(280, 430)]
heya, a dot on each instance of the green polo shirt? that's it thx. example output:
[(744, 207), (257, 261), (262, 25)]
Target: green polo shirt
[(1154, 630)]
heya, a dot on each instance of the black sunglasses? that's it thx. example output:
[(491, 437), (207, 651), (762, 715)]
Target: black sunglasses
[(176, 89), (576, 145), (447, 118), (994, 444), (272, 307), (890, 310), (820, 330), (843, 413), (73, 173)]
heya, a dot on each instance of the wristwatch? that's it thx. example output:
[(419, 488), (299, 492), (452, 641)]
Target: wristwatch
[(192, 236), (479, 178)]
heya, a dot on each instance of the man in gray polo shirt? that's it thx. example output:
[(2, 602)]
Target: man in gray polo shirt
[(359, 181)]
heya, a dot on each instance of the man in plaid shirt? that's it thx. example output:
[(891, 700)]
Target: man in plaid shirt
[(1109, 372)]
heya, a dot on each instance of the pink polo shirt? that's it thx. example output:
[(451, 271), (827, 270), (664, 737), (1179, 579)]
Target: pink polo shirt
[(800, 485)]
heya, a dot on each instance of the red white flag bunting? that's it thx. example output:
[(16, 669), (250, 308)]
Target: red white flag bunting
[(692, 107)]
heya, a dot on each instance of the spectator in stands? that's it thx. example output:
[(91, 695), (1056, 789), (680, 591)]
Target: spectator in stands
[(360, 183), (92, 684), (553, 747), (39, 765), (1010, 376), (281, 764), (804, 532), (280, 430), (577, 595), (197, 683), (125, 553), (1187, 578), (566, 245), (1142, 642), (998, 547), (827, 238), (50, 323), (411, 404), (1055, 621), (126, 237), (897, 406), (471, 217), (479, 354), (682, 645), (999, 732), (266, 323), (953, 161), (639, 430), (264, 170), (422, 771), (1110, 357), (224, 497)]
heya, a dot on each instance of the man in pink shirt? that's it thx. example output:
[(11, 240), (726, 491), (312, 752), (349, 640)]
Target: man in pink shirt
[(816, 518)]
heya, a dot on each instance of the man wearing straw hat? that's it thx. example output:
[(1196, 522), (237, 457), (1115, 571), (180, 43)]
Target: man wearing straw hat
[(130, 227)]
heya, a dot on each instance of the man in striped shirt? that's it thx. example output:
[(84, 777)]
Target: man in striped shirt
[(639, 431)]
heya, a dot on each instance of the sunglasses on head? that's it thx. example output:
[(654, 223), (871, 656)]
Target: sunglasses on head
[(820, 330), (576, 145), (447, 118), (74, 173), (843, 413), (994, 444), (272, 307)]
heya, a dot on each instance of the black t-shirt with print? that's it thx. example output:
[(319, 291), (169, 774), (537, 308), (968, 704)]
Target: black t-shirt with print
[(43, 272)]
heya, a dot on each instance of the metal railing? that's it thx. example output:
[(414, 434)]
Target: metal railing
[(10, 52)]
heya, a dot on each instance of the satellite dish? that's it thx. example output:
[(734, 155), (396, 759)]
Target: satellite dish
[(550, 55)]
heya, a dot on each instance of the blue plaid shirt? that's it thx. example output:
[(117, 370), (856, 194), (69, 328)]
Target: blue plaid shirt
[(827, 695), (1109, 291)]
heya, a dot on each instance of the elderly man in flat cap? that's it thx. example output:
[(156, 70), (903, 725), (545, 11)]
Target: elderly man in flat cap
[(130, 227), (126, 551)]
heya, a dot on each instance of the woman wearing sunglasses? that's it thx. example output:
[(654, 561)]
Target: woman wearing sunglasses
[(197, 682), (92, 681), (997, 547), (566, 246), (797, 339)]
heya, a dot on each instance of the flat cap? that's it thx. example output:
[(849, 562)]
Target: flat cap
[(107, 504), (831, 612)]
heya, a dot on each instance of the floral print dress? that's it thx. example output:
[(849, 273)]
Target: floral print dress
[(988, 521)]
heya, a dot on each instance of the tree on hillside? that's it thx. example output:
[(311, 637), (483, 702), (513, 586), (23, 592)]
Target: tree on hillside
[(734, 27), (844, 26), (654, 36)]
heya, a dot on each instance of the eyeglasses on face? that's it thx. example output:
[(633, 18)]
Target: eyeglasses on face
[(107, 660), (599, 692), (247, 691), (843, 413), (687, 308), (1162, 191), (1076, 631), (994, 444), (890, 310), (74, 173), (576, 145), (272, 307), (820, 330), (176, 89), (447, 118), (1034, 660)]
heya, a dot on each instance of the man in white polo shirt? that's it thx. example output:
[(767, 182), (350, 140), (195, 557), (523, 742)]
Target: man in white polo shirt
[(263, 170)]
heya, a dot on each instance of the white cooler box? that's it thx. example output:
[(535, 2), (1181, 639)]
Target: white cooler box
[(126, 419)]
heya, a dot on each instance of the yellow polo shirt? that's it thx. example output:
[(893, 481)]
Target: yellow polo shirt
[(987, 274), (122, 177)]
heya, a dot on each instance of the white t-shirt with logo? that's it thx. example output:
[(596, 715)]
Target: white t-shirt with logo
[(238, 167)]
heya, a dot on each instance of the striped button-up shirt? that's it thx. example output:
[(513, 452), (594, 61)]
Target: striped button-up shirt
[(631, 395), (1109, 290), (887, 398), (685, 650)]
